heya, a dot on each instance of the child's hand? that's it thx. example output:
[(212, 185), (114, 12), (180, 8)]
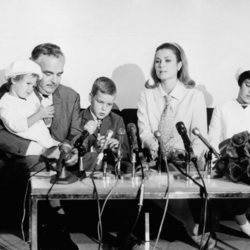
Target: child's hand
[(100, 141), (113, 144), (91, 126), (46, 112)]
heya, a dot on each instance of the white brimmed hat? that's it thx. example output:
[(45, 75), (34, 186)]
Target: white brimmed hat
[(22, 67), (242, 69)]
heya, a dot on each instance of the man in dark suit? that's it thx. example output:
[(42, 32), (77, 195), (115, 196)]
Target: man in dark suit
[(66, 121), (20, 156)]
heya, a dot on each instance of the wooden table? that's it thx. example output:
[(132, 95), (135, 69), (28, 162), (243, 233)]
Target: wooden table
[(155, 188)]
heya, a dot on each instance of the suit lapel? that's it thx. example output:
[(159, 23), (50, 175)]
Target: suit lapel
[(105, 125)]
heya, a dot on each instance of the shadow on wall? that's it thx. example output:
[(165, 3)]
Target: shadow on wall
[(207, 95), (130, 81), (2, 77)]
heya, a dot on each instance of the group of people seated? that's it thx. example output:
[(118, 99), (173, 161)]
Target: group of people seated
[(38, 113)]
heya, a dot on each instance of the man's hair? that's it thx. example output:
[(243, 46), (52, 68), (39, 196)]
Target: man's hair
[(48, 49), (104, 85)]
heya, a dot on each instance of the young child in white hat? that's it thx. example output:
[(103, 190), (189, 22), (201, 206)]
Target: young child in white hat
[(20, 109)]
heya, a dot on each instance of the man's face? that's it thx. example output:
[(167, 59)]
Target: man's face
[(101, 104), (52, 68)]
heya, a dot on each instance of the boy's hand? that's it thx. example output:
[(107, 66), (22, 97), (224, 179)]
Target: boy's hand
[(46, 112), (91, 126), (113, 144), (100, 141)]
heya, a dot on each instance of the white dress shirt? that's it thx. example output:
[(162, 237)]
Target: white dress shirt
[(228, 119), (189, 107)]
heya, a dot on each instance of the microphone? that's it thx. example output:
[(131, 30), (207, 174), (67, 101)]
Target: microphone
[(108, 136), (131, 128), (183, 133), (196, 132), (63, 176), (81, 151), (81, 139), (65, 150), (121, 133), (157, 135)]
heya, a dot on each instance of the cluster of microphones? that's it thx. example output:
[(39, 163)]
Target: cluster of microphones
[(186, 141), (133, 139)]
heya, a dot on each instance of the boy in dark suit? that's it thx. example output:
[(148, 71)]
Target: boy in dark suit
[(97, 119)]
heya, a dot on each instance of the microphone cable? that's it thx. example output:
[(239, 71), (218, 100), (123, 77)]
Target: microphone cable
[(95, 191), (203, 191), (96, 194), (140, 204), (166, 205), (99, 224)]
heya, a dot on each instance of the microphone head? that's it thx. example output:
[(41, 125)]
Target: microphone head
[(181, 128), (109, 134), (65, 147), (196, 131), (132, 127), (132, 134), (157, 134), (121, 131)]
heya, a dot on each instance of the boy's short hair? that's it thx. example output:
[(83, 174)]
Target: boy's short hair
[(105, 85)]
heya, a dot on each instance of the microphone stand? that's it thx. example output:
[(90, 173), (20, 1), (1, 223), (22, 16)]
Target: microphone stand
[(81, 171), (188, 161), (105, 163), (159, 160), (81, 152), (63, 177), (119, 158), (208, 167), (133, 160)]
